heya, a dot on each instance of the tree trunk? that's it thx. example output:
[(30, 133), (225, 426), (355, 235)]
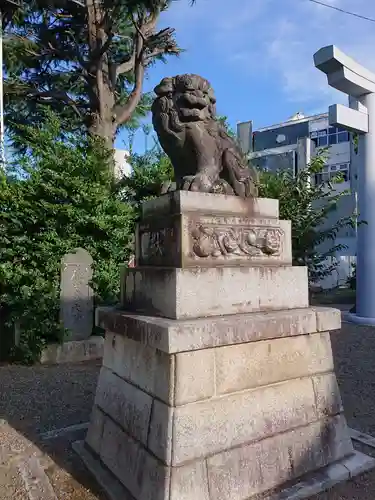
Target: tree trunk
[(103, 127), (102, 123)]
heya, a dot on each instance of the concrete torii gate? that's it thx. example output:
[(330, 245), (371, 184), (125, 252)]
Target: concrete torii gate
[(345, 74)]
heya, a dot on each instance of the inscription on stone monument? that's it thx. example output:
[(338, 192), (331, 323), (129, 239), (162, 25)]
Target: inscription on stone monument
[(154, 243), (76, 294)]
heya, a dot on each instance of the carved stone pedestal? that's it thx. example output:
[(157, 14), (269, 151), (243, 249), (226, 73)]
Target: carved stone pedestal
[(217, 380)]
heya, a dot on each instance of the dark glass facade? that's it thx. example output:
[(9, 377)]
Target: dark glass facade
[(329, 136), (269, 139), (289, 134), (274, 162)]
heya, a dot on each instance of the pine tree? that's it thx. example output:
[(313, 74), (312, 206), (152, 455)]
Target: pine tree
[(85, 59)]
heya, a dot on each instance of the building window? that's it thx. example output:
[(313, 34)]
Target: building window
[(330, 136), (330, 171)]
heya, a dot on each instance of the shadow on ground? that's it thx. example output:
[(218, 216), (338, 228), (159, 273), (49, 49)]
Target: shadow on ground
[(35, 400), (354, 354)]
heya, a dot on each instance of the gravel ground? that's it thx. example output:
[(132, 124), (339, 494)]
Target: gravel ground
[(41, 398), (38, 399), (354, 353)]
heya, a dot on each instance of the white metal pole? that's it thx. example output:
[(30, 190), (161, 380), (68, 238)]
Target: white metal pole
[(2, 131)]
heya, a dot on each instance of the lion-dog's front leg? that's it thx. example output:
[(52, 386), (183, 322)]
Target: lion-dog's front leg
[(204, 149)]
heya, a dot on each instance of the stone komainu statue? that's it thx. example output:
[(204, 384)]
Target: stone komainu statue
[(204, 157)]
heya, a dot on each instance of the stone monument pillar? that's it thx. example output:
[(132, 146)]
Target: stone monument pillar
[(218, 380), (348, 76), (76, 313)]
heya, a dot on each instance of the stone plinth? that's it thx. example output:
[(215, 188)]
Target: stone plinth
[(251, 403), (74, 351), (225, 389), (212, 291), (184, 229)]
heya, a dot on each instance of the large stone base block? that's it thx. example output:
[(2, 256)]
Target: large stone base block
[(197, 292), (237, 474), (311, 484), (226, 422)]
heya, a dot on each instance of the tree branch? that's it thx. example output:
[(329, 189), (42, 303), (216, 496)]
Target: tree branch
[(51, 95), (123, 113), (159, 52), (126, 66), (91, 24), (150, 24), (147, 46), (100, 51), (142, 31), (130, 64), (135, 24)]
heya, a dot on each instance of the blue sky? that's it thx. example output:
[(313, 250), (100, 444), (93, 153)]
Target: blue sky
[(257, 54)]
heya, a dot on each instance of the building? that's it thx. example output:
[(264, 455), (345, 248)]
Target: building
[(122, 165), (290, 145)]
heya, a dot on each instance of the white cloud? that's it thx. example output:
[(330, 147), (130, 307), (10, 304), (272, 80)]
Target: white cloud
[(276, 39), (309, 29)]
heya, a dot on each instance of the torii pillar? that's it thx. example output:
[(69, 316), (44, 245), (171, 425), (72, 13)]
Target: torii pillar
[(346, 75)]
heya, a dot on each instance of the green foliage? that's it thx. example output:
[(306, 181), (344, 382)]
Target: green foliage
[(355, 138), (308, 206), (352, 280), (150, 172), (85, 60), (59, 196), (224, 121)]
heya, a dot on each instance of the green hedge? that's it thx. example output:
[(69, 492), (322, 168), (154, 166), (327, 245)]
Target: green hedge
[(58, 196)]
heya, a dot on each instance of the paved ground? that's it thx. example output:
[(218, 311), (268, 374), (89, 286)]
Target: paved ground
[(39, 399)]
